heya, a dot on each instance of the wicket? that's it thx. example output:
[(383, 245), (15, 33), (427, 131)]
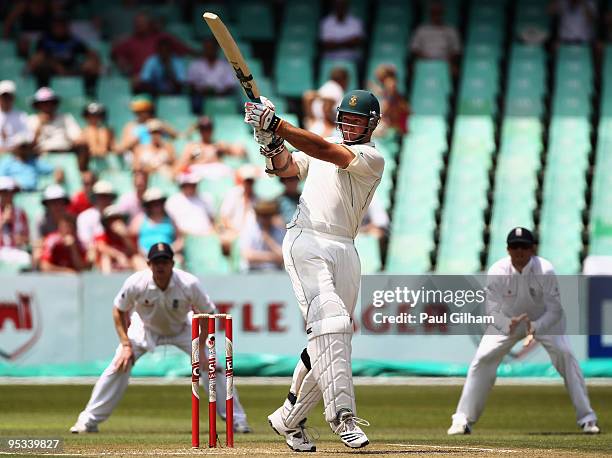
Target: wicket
[(207, 321)]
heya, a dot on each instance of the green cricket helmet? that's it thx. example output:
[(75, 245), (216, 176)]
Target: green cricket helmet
[(362, 103)]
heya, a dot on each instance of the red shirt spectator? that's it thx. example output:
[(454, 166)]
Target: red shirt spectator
[(80, 201), (132, 52), (62, 251)]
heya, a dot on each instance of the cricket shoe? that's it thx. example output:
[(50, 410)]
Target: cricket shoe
[(82, 426), (457, 429), (296, 438), (590, 427), (347, 428)]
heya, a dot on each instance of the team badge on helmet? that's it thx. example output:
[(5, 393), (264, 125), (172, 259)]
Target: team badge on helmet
[(362, 103)]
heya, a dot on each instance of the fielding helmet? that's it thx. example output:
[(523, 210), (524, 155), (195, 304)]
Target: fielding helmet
[(362, 103)]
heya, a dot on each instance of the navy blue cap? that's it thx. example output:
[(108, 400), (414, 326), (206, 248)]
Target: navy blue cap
[(160, 250), (520, 235)]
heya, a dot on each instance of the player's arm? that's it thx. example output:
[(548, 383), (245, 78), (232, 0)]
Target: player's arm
[(262, 116), (315, 146), (552, 302), (127, 354)]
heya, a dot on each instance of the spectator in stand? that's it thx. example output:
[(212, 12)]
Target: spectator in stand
[(154, 225), (191, 214), (116, 249), (131, 203), (56, 201), (208, 75), (203, 157), (341, 34), (59, 53), (376, 223), (136, 132), (320, 106), (53, 131), (97, 137), (237, 206), (158, 156), (14, 233), (394, 106), (261, 240), (163, 72), (577, 20), (131, 53), (289, 199), (13, 123), (62, 252), (89, 223), (31, 19), (81, 200), (25, 167), (436, 40)]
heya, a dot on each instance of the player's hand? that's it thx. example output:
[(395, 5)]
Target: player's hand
[(515, 321), (261, 115), (125, 359), (530, 334)]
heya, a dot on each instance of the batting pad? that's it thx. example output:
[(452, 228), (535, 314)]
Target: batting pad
[(331, 367), (304, 395), (327, 314)]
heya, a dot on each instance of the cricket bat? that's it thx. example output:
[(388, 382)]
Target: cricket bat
[(233, 55)]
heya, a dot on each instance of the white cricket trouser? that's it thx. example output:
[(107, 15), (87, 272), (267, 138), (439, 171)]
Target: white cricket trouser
[(111, 385), (483, 372), (325, 273)]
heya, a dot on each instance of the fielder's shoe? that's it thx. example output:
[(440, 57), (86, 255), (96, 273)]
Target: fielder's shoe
[(84, 427), (590, 427), (241, 426), (346, 427), (457, 429), (297, 439)]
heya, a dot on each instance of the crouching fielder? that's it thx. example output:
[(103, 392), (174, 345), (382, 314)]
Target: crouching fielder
[(159, 302), (523, 298), (320, 257)]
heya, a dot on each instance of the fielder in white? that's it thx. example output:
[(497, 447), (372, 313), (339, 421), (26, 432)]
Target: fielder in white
[(523, 298), (159, 303), (320, 257)]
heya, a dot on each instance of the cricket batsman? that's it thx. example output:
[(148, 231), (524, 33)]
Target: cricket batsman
[(523, 298), (159, 302), (340, 177)]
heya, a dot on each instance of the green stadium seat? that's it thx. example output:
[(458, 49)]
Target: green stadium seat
[(170, 106), (289, 48), (121, 180), (231, 128), (69, 163), (303, 13), (12, 68), (182, 31), (299, 31), (293, 76), (255, 21), (7, 49), (571, 105), (203, 255), (431, 76), (226, 105)]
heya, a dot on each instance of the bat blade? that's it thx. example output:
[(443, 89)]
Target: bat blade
[(233, 55)]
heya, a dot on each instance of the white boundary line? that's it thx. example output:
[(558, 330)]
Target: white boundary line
[(282, 381)]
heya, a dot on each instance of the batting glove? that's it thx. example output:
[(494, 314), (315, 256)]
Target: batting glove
[(276, 147), (263, 137), (261, 115)]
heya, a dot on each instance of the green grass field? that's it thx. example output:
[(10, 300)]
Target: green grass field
[(405, 420)]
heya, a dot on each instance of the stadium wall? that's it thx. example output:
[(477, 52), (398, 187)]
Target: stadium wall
[(62, 326)]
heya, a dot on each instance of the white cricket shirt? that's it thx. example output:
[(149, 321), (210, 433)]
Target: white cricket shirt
[(163, 312), (534, 291), (334, 200)]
